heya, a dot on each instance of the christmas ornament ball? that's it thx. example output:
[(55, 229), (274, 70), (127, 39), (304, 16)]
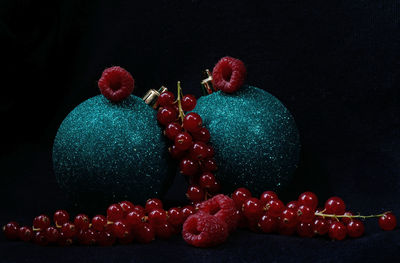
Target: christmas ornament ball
[(106, 152), (254, 136)]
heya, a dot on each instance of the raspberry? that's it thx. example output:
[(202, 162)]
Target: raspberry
[(116, 83), (229, 74), (204, 230), (222, 207)]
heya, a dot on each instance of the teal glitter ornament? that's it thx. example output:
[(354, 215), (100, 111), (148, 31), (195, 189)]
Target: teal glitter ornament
[(254, 136), (107, 151)]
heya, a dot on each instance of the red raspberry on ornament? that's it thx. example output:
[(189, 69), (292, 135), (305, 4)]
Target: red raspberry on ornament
[(204, 230), (222, 207), (116, 83), (229, 74)]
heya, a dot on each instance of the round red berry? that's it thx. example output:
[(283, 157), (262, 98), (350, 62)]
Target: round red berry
[(320, 226), (192, 122), (82, 221), (153, 203), (116, 83), (188, 102), (175, 216), (52, 234), (305, 229), (209, 165), (337, 230), (268, 223), (114, 212), (166, 98), (172, 130), (39, 238), (348, 219), (308, 199), (228, 74), (252, 209), (11, 230), (195, 193), (335, 205), (202, 135), (164, 230), (60, 217), (207, 180), (120, 229), (355, 228), (99, 222), (68, 230), (41, 222), (274, 207), (183, 141), (198, 151), (167, 115), (305, 214), (145, 233), (126, 206), (288, 218), (25, 233), (292, 205), (105, 238), (240, 196), (268, 196), (157, 217), (176, 153), (187, 211), (387, 221), (189, 167)]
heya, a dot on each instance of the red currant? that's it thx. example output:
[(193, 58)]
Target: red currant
[(11, 230), (120, 229), (215, 187), (157, 217), (68, 230), (355, 228), (240, 196), (41, 222), (309, 199), (114, 212), (188, 102), (164, 230), (176, 153), (82, 221), (208, 165), (188, 167), (105, 238), (305, 214), (347, 220), (268, 196), (387, 221), (60, 217), (39, 238), (145, 233), (52, 234), (183, 141), (337, 230), (292, 205), (175, 216), (198, 151), (207, 180), (192, 122), (187, 211), (288, 218), (202, 135), (153, 203), (320, 226), (252, 208), (167, 115), (195, 193), (126, 206), (99, 222), (335, 205), (172, 130), (166, 98), (134, 219), (274, 207), (25, 233), (268, 224)]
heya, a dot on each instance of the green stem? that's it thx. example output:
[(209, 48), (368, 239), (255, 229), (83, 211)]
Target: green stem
[(348, 216), (179, 101)]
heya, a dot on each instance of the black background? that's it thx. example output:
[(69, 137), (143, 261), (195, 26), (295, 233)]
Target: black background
[(334, 64)]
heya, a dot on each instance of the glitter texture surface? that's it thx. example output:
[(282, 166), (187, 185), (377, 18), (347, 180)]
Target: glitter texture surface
[(107, 152), (255, 138)]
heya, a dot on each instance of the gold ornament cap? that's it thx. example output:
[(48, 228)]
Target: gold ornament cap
[(151, 97), (206, 84)]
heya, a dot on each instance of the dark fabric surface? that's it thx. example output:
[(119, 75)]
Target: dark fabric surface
[(334, 64)]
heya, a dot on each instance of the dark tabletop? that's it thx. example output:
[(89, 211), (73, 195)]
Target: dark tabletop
[(334, 64)]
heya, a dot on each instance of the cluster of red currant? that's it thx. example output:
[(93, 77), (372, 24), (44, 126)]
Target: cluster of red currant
[(189, 143), (123, 223), (268, 214)]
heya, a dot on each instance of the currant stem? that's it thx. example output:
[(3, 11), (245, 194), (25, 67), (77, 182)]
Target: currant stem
[(348, 216), (179, 101)]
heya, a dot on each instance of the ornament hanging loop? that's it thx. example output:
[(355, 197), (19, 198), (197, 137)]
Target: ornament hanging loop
[(206, 84)]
